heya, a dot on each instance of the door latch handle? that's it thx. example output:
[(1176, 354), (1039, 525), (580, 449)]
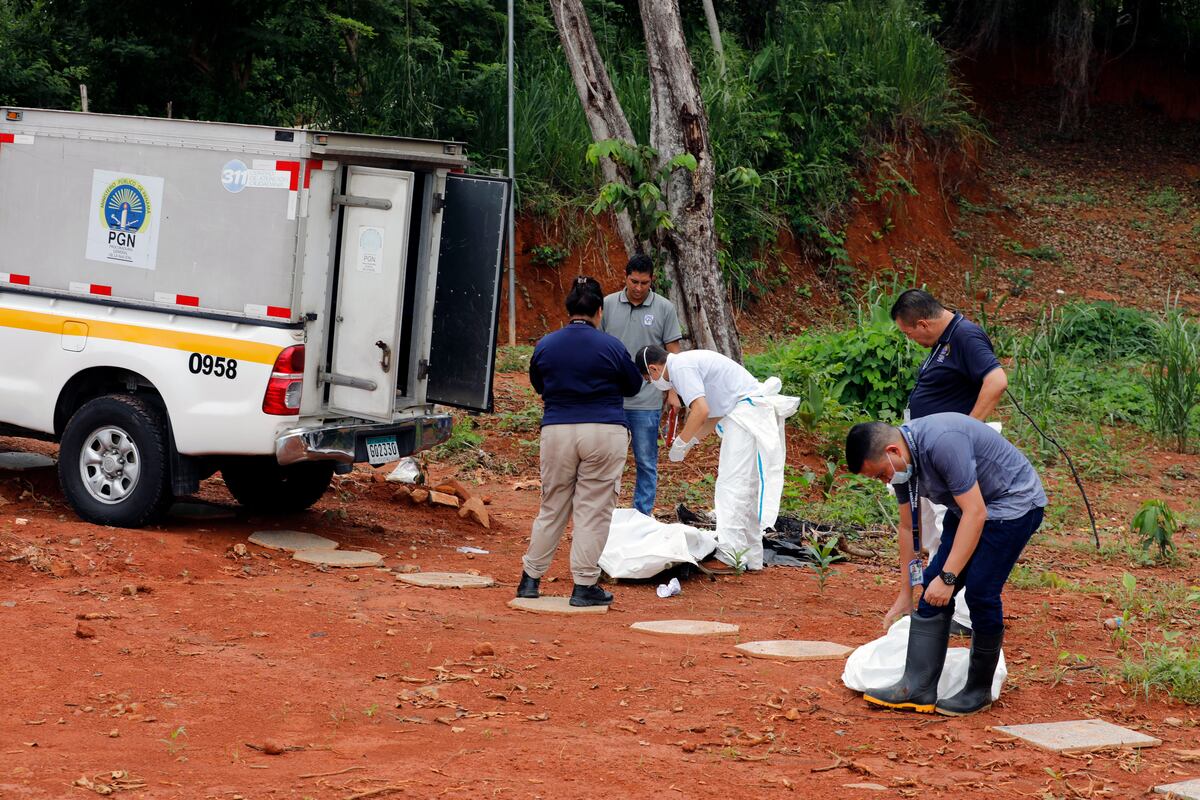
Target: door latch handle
[(385, 361)]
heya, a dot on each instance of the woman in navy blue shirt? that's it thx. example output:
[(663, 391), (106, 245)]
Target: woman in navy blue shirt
[(583, 376)]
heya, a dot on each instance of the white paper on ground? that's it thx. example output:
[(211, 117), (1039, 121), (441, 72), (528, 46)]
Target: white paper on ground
[(641, 547), (880, 664)]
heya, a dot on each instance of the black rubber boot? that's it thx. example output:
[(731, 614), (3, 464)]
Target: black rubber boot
[(976, 695), (528, 587), (917, 689), (957, 629), (590, 596)]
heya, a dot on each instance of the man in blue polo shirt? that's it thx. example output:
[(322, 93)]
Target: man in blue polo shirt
[(995, 504)]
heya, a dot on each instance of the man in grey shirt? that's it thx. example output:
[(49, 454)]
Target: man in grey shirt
[(639, 317), (995, 503)]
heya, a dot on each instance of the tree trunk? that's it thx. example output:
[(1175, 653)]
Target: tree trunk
[(714, 33), (601, 107), (679, 124), (1071, 24)]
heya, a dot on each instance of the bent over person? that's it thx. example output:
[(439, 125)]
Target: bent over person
[(721, 395), (995, 503), (583, 376)]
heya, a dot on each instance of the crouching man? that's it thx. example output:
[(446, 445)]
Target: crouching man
[(995, 503)]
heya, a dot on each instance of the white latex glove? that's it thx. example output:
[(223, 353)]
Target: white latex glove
[(680, 448)]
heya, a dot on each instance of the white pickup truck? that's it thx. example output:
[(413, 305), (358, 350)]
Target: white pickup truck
[(178, 298)]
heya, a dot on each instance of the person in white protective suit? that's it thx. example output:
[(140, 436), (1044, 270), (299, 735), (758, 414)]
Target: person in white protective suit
[(721, 395)]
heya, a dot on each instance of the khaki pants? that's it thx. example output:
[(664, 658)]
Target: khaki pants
[(581, 476)]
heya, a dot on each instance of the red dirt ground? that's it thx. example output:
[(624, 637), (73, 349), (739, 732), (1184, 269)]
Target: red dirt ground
[(208, 654)]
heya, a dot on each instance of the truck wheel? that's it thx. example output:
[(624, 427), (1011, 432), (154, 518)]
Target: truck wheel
[(113, 462), (262, 484)]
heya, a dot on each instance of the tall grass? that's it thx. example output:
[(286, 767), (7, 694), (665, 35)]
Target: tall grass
[(1175, 378)]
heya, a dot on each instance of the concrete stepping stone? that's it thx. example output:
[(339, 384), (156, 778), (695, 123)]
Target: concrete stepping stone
[(447, 580), (339, 558), (1078, 736), (1186, 790), (795, 650), (193, 510), (21, 462), (686, 627), (292, 540), (553, 605)]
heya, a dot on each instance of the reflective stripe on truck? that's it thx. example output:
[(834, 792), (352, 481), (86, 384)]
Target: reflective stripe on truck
[(254, 352)]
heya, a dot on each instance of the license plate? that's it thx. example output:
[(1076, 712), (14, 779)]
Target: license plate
[(382, 449)]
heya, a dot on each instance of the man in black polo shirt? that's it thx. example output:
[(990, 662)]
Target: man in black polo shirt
[(961, 374)]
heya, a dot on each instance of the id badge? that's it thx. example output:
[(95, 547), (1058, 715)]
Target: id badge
[(916, 575)]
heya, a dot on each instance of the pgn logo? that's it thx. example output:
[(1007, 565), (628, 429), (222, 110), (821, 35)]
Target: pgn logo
[(233, 176)]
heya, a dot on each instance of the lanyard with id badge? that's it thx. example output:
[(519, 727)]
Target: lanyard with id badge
[(916, 575)]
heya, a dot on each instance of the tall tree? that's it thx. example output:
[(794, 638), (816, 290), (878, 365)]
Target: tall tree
[(601, 106), (678, 126)]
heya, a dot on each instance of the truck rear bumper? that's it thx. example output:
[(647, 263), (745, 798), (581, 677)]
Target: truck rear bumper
[(347, 442)]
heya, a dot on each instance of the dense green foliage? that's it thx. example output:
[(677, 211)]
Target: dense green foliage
[(812, 87), (869, 367)]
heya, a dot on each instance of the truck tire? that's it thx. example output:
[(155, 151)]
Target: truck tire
[(261, 484), (113, 462)]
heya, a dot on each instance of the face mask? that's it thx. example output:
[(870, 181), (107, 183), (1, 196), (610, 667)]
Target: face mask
[(661, 383), (899, 478)]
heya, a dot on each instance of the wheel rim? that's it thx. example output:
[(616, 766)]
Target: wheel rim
[(110, 464)]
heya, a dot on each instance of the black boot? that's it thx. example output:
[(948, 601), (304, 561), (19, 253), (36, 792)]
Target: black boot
[(528, 587), (976, 695), (590, 596), (917, 689)]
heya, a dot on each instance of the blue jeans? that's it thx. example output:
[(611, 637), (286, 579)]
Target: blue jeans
[(643, 428), (1000, 544)]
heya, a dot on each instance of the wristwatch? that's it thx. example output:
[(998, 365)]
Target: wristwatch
[(949, 578)]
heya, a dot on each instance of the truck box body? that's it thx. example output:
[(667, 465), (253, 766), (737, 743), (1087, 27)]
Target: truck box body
[(184, 259)]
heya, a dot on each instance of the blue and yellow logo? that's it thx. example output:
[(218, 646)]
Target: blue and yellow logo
[(125, 206)]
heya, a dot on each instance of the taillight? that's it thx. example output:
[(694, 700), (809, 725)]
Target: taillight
[(287, 382)]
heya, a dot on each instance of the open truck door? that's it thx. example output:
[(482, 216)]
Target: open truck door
[(370, 286), (462, 353)]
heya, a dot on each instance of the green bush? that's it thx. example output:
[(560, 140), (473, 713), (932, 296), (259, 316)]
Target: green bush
[(1175, 670), (1106, 331), (870, 368)]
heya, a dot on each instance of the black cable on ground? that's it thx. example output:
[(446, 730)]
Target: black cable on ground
[(1087, 503)]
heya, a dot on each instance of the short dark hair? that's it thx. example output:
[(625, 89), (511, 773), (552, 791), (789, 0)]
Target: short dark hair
[(865, 442), (650, 354), (585, 297), (640, 263), (915, 305)]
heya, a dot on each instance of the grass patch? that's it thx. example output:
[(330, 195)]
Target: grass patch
[(1041, 252), (1167, 668), (1167, 200), (1027, 577), (513, 358)]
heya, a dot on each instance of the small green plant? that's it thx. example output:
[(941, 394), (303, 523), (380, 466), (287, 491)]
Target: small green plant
[(823, 555), (173, 743), (548, 255), (370, 710), (812, 403), (1041, 252), (1154, 524), (1167, 200), (463, 438), (642, 198), (739, 560), (1018, 280)]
